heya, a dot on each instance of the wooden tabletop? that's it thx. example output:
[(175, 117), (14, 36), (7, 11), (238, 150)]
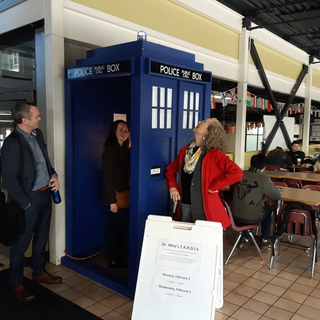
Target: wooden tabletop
[(294, 175), (306, 196)]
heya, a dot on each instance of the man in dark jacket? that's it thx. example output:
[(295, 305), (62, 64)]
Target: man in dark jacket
[(31, 192), (248, 200), (295, 153)]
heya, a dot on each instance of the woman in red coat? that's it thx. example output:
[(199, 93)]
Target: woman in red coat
[(203, 169)]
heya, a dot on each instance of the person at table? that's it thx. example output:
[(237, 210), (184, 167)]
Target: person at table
[(317, 165), (277, 157), (116, 192), (295, 153), (248, 204), (203, 169)]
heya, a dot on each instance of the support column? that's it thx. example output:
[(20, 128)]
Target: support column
[(242, 96), (306, 113), (54, 67)]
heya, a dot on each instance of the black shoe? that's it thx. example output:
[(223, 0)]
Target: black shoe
[(243, 244), (117, 264), (265, 245)]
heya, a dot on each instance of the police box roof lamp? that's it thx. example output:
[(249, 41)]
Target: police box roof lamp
[(142, 35)]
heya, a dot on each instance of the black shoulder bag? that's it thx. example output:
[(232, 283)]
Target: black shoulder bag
[(11, 215)]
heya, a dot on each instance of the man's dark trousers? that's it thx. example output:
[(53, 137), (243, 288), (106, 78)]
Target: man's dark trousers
[(37, 220)]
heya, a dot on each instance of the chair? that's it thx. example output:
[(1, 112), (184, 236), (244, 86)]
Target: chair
[(304, 170), (300, 223), (280, 183), (311, 187), (271, 167), (293, 183), (240, 230)]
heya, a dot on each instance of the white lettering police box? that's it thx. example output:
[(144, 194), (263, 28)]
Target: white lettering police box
[(181, 271)]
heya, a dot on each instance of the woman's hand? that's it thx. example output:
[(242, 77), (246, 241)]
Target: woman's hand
[(174, 194), (113, 207)]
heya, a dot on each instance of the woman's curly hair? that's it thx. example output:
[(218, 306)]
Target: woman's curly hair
[(215, 139)]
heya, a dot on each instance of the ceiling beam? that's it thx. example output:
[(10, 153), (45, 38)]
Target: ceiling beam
[(281, 23), (279, 6)]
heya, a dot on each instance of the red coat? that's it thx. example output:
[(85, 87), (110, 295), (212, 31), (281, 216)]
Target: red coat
[(217, 172)]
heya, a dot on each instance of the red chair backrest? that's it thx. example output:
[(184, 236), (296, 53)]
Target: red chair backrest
[(279, 184), (228, 212), (233, 224), (271, 167), (311, 187), (299, 221), (304, 170), (293, 183)]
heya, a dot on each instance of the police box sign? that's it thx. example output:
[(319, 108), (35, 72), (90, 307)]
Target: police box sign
[(100, 69), (178, 72)]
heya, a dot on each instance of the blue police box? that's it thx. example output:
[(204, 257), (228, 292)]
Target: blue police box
[(164, 93)]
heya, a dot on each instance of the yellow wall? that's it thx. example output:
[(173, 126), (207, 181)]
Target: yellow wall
[(316, 78), (231, 156), (173, 20), (277, 62)]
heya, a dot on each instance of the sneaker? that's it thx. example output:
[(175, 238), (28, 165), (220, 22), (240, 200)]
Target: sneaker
[(265, 244), (243, 244)]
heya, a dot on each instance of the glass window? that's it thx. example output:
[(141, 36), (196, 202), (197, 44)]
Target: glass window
[(254, 137)]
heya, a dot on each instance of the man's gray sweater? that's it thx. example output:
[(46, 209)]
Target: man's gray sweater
[(247, 203)]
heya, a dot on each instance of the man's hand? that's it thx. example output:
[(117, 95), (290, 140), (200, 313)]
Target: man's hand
[(54, 182), (113, 207)]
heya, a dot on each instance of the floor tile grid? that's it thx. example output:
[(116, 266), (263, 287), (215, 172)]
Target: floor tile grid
[(251, 290), (284, 304)]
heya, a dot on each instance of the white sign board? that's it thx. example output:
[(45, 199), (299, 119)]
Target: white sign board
[(181, 271), (278, 140)]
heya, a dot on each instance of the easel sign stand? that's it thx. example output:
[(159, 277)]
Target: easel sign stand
[(181, 271)]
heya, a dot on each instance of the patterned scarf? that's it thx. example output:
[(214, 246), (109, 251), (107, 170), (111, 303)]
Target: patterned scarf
[(190, 159)]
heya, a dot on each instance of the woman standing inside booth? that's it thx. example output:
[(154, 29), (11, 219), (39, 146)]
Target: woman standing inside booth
[(116, 191), (203, 170)]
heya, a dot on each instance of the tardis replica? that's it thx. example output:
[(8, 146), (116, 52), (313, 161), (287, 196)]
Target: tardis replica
[(162, 93)]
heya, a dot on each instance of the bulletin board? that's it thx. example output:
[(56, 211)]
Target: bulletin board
[(315, 132), (181, 270)]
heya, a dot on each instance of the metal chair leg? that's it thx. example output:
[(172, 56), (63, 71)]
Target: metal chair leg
[(255, 243), (314, 254), (273, 252), (233, 248)]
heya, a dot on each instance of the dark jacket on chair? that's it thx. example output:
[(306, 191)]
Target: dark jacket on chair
[(247, 203)]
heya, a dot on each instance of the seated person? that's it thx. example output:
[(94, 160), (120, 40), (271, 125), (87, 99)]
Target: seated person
[(295, 153), (277, 157), (317, 165), (247, 204)]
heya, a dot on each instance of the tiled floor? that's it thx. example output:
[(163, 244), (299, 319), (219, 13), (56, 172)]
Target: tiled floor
[(251, 290)]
